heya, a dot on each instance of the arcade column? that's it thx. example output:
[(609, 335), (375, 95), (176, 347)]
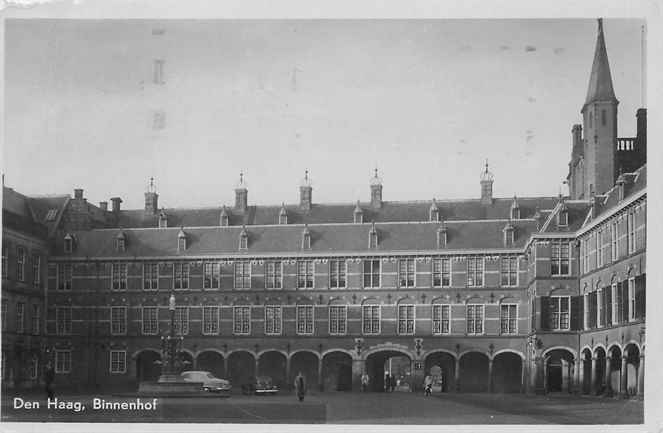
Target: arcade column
[(358, 366), (592, 385), (641, 375), (623, 374)]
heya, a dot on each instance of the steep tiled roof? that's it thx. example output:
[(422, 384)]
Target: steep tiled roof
[(325, 238), (577, 211), (636, 182), (414, 211), (18, 213), (48, 209)]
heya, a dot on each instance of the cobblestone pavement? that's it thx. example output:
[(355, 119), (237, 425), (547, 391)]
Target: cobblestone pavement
[(344, 408)]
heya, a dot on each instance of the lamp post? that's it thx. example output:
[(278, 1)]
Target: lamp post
[(170, 349)]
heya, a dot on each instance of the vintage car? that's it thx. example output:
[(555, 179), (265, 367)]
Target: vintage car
[(210, 382), (262, 385)]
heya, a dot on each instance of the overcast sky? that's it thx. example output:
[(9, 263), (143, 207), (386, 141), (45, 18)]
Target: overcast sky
[(427, 101)]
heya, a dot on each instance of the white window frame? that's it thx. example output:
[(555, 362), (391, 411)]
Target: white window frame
[(561, 245), (599, 307), (439, 318), (441, 262), (631, 299), (407, 273), (121, 328), (473, 276), (307, 276), (36, 319), (242, 275), (149, 320), (246, 314), (473, 308), (558, 323), (630, 230), (210, 320), (20, 263), (274, 274), (614, 239), (211, 275), (117, 363), (372, 307), (299, 319), (509, 319), (119, 276), (20, 317), (599, 248), (338, 275), (341, 320), (36, 270), (406, 321), (63, 361), (64, 277), (184, 273), (150, 276), (372, 274), (181, 320), (63, 320), (586, 311), (615, 305), (512, 269), (276, 320)]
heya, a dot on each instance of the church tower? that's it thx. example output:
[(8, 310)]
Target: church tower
[(599, 115)]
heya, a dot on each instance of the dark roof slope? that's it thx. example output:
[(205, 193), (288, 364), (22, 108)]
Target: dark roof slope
[(18, 214)]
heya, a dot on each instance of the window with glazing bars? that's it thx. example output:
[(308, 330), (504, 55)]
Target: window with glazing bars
[(150, 276), (118, 320), (210, 320), (119, 276), (36, 319), (559, 262), (36, 266), (64, 276), (150, 320), (441, 319), (241, 320), (118, 361), (475, 319), (371, 319), (372, 273), (20, 263), (559, 313), (20, 317), (475, 271), (305, 274), (273, 320), (182, 320), (508, 318), (509, 271), (406, 272), (63, 320), (338, 315), (211, 275), (406, 319), (180, 275), (305, 319), (273, 275), (441, 272), (62, 361), (5, 261), (243, 275), (337, 273)]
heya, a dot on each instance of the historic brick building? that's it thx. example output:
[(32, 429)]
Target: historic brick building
[(517, 294)]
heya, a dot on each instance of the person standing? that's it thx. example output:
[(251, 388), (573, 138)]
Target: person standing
[(428, 385), (392, 382), (49, 378), (364, 382), (387, 385), (300, 386)]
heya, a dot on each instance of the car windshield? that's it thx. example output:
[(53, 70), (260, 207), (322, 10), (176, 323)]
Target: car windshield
[(264, 380), (210, 376)]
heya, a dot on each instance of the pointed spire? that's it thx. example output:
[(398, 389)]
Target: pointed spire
[(600, 81)]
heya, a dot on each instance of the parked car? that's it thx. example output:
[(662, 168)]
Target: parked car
[(262, 385), (210, 382)]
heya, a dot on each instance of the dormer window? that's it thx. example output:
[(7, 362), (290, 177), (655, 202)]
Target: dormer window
[(306, 239), (434, 212), (283, 215), (358, 214), (373, 238), (442, 237), (181, 241), (120, 243), (243, 240), (163, 220), (224, 219), (508, 235), (563, 217), (68, 244)]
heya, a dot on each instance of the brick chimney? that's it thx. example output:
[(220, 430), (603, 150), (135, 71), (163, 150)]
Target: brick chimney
[(103, 205), (78, 194), (116, 204)]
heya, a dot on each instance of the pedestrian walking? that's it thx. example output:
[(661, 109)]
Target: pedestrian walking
[(364, 382), (392, 382), (428, 385), (300, 386), (49, 378), (387, 382)]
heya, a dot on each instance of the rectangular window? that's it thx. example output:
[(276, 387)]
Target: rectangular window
[(406, 319), (559, 261), (63, 320), (62, 361), (118, 320), (273, 320), (36, 270), (614, 240), (20, 317), (118, 361), (64, 276), (508, 319), (599, 308), (509, 271), (20, 263), (631, 231), (371, 319), (181, 320), (150, 276), (241, 320), (338, 317), (337, 271), (406, 273), (631, 299), (211, 275), (616, 304), (441, 319), (372, 273), (36, 319), (559, 313), (119, 276), (5, 261), (33, 368), (150, 320), (5, 310), (441, 272), (305, 274), (475, 319), (304, 319), (599, 248), (586, 311), (475, 271), (604, 118), (273, 273), (210, 320), (243, 275), (180, 276)]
